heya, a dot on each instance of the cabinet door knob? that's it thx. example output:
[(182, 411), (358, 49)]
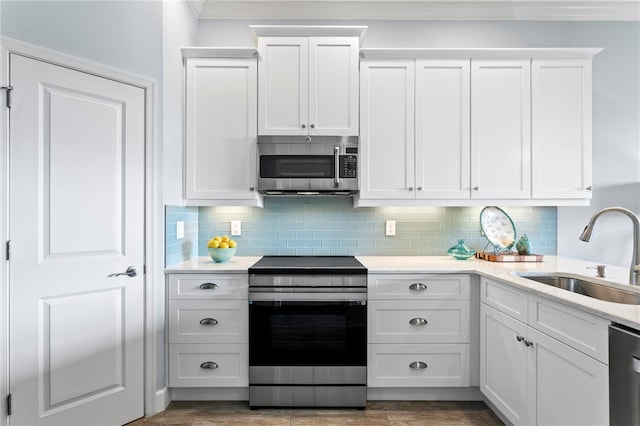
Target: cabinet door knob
[(418, 365), (208, 321), (252, 188), (528, 343), (313, 126), (210, 365), (418, 321), (410, 188), (419, 188), (519, 338), (418, 287), (304, 126), (476, 188), (589, 188), (208, 286)]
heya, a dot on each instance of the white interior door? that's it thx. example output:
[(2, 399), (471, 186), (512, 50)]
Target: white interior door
[(76, 215)]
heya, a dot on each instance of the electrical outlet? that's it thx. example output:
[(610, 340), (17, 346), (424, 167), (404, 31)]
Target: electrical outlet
[(180, 229), (236, 227), (390, 228)]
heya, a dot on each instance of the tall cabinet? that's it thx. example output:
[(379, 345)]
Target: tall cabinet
[(220, 127)]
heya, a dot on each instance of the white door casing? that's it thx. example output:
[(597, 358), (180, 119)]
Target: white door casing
[(77, 214)]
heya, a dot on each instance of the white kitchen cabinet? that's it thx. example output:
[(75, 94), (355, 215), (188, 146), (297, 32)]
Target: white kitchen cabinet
[(442, 132), (547, 368), (308, 86), (414, 129), (418, 330), (561, 128), (220, 131), (501, 129), (387, 129), (503, 364), (208, 323)]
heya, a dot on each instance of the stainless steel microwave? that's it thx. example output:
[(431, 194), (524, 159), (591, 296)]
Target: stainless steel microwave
[(299, 166)]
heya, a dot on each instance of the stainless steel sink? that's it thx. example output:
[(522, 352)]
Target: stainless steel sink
[(588, 288)]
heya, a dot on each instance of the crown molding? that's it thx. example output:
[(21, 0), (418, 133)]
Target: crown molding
[(550, 10)]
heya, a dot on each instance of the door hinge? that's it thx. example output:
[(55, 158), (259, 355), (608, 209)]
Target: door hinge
[(9, 405), (8, 89), (8, 250)]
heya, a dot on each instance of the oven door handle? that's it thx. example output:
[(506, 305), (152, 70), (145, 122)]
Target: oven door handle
[(308, 297), (336, 156)]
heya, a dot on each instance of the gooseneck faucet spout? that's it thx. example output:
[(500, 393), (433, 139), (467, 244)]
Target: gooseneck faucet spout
[(635, 259)]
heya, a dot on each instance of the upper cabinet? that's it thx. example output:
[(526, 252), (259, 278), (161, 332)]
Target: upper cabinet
[(220, 128), (500, 129), (308, 86), (472, 126), (561, 128)]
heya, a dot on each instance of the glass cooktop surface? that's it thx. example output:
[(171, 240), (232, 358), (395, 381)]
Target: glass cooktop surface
[(307, 264)]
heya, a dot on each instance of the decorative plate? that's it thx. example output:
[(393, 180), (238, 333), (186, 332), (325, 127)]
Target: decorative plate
[(498, 227)]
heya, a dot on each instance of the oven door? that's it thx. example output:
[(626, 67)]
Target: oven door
[(297, 330)]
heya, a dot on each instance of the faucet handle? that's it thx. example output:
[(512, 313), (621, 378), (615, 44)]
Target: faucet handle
[(601, 270)]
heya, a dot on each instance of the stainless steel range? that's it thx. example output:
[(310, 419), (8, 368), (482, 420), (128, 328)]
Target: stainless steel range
[(307, 332)]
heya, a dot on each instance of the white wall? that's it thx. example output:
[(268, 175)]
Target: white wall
[(616, 103), (180, 30)]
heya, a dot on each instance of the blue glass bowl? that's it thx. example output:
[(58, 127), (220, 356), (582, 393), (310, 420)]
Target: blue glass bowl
[(221, 255)]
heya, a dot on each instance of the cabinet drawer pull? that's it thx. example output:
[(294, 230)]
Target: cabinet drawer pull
[(418, 321), (519, 338), (208, 286), (418, 365), (208, 321), (210, 365), (418, 287)]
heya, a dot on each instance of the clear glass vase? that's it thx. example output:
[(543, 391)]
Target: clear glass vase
[(461, 251)]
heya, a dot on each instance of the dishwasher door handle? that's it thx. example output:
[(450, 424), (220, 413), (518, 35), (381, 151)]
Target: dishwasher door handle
[(636, 364)]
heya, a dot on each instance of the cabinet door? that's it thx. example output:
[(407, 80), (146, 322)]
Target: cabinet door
[(566, 386), (443, 129), (387, 129), (220, 143), (500, 129), (283, 100), (561, 124), (333, 86), (503, 364)]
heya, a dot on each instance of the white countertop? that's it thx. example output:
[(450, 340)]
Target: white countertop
[(505, 271)]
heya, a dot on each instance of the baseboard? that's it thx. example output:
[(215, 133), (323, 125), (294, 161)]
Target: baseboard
[(163, 399), (424, 394), (496, 411), (210, 394)]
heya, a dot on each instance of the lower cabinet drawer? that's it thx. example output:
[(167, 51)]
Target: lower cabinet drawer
[(418, 321), (430, 365), (208, 321), (196, 365)]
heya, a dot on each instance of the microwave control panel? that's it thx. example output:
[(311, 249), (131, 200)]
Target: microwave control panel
[(348, 166)]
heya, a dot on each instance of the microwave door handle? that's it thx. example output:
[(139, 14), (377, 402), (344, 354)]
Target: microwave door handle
[(336, 155)]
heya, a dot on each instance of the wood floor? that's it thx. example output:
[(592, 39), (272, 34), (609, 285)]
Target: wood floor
[(397, 413)]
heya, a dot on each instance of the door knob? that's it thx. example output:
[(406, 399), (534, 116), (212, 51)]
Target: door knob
[(131, 271)]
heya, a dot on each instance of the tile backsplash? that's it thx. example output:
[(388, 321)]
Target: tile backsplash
[(331, 226)]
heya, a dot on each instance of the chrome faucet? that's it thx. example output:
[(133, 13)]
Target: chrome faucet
[(634, 271)]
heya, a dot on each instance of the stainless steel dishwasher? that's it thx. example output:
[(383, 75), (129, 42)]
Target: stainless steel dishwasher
[(624, 375)]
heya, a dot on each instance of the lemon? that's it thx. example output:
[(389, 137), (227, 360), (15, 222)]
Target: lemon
[(232, 244), (223, 245), (213, 243), (225, 239), (217, 238)]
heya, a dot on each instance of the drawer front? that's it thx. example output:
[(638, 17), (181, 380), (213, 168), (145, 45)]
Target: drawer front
[(228, 365), (208, 321), (418, 365), (418, 286), (582, 331), (208, 286), (418, 321), (505, 298)]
